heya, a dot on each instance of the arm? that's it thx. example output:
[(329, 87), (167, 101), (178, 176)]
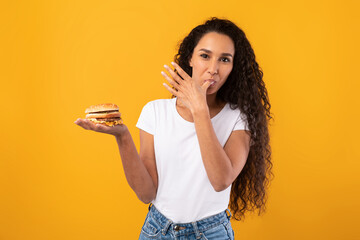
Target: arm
[(136, 167), (222, 165), (140, 171)]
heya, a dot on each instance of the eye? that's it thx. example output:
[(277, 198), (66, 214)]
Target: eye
[(204, 55), (225, 59)]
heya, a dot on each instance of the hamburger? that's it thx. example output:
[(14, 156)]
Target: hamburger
[(106, 114)]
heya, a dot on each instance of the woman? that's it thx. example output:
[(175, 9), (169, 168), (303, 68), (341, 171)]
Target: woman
[(207, 145)]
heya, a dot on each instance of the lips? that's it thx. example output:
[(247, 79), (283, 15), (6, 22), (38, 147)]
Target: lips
[(212, 81)]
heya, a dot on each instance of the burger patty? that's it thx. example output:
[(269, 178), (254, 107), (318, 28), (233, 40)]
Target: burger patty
[(104, 115), (108, 119), (113, 111)]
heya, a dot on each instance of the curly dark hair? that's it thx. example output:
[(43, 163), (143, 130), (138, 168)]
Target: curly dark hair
[(243, 89)]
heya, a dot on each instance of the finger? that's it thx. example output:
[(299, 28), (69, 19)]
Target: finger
[(172, 91), (175, 76), (182, 73), (90, 124), (82, 123), (172, 82), (100, 127), (206, 85)]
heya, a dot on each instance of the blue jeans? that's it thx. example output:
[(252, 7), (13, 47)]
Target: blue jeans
[(157, 226)]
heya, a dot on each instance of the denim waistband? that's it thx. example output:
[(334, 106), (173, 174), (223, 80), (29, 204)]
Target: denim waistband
[(191, 227)]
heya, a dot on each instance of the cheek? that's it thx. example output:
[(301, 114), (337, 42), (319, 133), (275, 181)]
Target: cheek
[(227, 71), (199, 66), (230, 69), (198, 71)]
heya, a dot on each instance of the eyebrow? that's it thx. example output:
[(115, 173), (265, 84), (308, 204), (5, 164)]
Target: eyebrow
[(208, 51)]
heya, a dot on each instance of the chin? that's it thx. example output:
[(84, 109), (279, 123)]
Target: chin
[(211, 91)]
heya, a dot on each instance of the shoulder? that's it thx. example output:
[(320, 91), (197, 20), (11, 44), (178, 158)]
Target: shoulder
[(158, 105), (160, 102), (229, 109), (234, 113)]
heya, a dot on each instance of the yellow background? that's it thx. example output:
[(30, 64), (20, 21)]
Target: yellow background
[(58, 181)]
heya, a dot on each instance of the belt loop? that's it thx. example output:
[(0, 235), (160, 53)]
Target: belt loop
[(197, 233), (150, 206), (166, 228), (228, 210)]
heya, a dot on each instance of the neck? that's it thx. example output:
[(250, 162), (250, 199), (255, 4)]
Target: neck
[(211, 100)]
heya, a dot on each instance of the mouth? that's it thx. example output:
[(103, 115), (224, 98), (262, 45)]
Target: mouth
[(212, 81)]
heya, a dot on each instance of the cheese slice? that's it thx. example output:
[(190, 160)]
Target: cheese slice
[(107, 123)]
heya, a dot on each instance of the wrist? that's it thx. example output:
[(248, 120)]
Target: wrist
[(199, 107), (123, 135), (201, 112)]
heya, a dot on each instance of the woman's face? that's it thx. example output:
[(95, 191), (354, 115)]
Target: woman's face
[(212, 60)]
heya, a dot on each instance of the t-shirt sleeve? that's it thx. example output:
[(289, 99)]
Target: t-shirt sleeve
[(146, 120), (241, 123)]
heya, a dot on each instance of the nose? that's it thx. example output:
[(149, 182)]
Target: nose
[(213, 67)]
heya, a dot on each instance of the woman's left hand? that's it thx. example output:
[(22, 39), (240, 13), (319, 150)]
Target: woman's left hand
[(188, 91)]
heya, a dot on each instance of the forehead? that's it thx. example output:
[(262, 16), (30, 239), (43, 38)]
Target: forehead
[(216, 42)]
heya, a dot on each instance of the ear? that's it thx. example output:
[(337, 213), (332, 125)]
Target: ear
[(190, 63)]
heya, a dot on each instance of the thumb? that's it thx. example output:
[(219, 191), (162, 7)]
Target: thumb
[(206, 85)]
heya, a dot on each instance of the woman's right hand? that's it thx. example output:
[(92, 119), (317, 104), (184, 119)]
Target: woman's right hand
[(116, 130)]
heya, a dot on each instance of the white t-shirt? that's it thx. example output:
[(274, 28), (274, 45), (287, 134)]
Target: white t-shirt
[(185, 193)]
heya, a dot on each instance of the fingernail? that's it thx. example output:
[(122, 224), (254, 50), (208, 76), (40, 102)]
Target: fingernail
[(173, 63)]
